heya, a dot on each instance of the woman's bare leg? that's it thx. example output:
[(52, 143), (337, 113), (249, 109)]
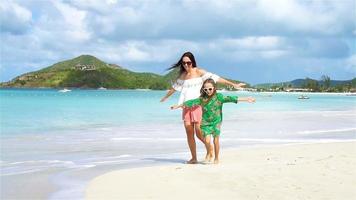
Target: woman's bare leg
[(217, 149), (189, 129)]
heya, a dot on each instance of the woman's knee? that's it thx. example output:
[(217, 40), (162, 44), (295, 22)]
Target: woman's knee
[(197, 128), (189, 128)]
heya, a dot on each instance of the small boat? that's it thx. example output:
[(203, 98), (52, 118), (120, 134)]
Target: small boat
[(303, 97), (101, 88), (64, 90)]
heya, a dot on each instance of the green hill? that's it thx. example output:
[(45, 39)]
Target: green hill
[(314, 85), (299, 83), (88, 72)]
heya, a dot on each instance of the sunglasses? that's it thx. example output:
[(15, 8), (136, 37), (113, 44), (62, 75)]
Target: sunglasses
[(188, 63), (208, 89)]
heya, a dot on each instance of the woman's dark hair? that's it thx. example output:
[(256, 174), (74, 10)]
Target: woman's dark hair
[(180, 65), (203, 94)]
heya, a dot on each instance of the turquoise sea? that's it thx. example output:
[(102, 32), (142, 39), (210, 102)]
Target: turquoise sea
[(83, 133)]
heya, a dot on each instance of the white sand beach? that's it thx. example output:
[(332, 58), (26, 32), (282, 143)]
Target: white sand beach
[(302, 171)]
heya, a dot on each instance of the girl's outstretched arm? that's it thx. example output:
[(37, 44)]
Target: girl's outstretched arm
[(169, 93), (247, 99)]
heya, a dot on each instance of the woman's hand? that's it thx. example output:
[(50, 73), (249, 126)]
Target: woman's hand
[(239, 85), (163, 99), (176, 106)]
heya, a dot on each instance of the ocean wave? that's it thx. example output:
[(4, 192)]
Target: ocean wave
[(110, 162), (4, 173), (108, 157), (309, 132), (41, 161), (31, 166), (147, 139), (262, 140)]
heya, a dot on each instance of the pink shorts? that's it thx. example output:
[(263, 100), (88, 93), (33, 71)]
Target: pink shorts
[(192, 115)]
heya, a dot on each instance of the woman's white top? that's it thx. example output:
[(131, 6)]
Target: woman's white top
[(190, 88)]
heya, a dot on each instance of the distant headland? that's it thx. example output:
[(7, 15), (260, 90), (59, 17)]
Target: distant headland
[(88, 72)]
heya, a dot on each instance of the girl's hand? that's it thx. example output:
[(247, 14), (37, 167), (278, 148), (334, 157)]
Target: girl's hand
[(175, 107), (239, 85), (251, 100)]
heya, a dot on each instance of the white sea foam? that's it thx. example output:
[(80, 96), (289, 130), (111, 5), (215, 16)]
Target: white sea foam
[(42, 161), (20, 172), (147, 139), (263, 140), (30, 166), (308, 132), (130, 138), (110, 162)]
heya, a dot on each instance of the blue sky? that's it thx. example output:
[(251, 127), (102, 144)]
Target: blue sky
[(256, 41)]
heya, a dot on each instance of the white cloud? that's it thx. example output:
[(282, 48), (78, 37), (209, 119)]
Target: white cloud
[(101, 7), (111, 2), (298, 16), (73, 24), (143, 51), (247, 48), (14, 18), (257, 43)]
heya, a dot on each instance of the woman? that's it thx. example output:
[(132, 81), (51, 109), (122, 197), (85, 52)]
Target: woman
[(189, 82)]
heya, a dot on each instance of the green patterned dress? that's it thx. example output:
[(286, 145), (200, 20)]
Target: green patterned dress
[(212, 112)]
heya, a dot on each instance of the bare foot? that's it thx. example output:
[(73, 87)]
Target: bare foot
[(216, 161), (209, 155), (192, 161), (208, 158)]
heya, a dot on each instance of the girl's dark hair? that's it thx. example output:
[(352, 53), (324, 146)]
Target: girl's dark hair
[(203, 94), (180, 65)]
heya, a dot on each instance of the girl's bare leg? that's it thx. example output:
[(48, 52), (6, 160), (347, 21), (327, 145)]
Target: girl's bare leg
[(217, 149), (209, 147), (199, 134), (189, 129)]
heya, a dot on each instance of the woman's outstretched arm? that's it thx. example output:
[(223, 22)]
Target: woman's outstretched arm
[(188, 104), (176, 106), (169, 93), (235, 85), (218, 79)]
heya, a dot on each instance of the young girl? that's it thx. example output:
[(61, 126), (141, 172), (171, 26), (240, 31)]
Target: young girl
[(212, 103)]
